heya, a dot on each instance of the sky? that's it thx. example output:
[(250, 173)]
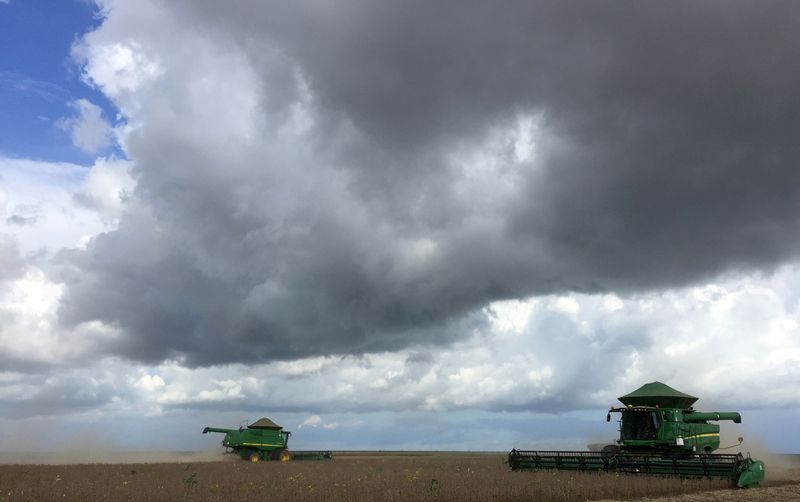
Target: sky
[(485, 221)]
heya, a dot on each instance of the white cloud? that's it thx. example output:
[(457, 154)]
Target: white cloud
[(316, 421), (117, 68), (312, 421), (303, 367), (524, 138), (565, 304), (107, 187), (149, 383), (89, 130), (62, 204), (511, 315), (612, 303), (30, 332), (225, 390), (42, 193)]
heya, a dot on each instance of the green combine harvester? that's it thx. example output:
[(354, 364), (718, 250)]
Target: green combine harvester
[(264, 440), (661, 434)]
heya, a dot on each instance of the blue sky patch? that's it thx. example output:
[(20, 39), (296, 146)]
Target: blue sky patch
[(38, 78)]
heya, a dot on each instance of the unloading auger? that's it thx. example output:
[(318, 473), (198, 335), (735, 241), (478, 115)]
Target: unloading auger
[(660, 434)]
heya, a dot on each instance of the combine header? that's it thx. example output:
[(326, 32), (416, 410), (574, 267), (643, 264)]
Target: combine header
[(660, 434), (264, 440)]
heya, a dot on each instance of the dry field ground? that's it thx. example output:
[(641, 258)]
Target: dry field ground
[(357, 477)]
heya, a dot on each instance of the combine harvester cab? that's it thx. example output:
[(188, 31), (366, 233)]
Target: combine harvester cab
[(264, 440), (661, 434)]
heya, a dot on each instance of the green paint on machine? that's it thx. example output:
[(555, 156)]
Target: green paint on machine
[(263, 440), (659, 433)]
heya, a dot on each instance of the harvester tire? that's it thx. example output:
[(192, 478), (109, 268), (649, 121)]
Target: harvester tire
[(254, 457), (284, 456)]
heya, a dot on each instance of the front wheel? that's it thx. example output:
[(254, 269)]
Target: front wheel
[(254, 457), (284, 456)]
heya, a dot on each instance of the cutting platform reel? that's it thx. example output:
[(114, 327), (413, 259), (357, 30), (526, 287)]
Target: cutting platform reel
[(742, 471)]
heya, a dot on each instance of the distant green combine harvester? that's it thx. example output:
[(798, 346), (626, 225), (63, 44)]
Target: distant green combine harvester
[(264, 440)]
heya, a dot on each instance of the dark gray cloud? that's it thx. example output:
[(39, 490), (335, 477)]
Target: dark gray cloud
[(69, 393), (667, 155), (21, 221)]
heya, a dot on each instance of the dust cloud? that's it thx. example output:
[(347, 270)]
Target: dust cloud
[(101, 456), (779, 467), (43, 441)]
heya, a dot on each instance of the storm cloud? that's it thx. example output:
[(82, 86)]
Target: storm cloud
[(320, 178)]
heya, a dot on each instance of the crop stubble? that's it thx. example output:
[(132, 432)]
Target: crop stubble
[(350, 477)]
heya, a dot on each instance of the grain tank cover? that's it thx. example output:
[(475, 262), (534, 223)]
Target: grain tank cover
[(264, 423), (658, 394)]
